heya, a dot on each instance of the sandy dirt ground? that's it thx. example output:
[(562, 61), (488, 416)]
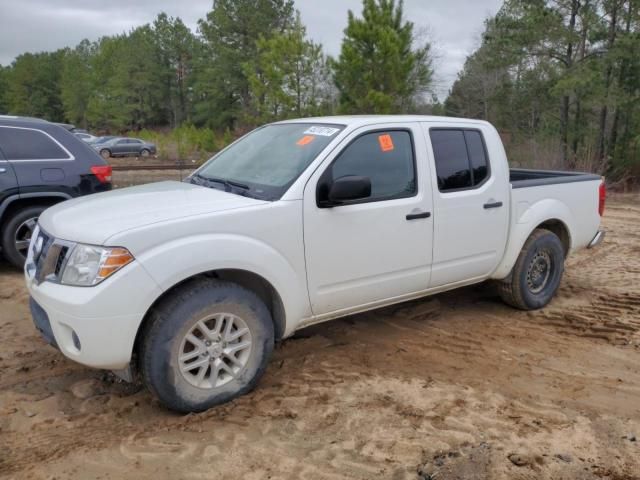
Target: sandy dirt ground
[(457, 386)]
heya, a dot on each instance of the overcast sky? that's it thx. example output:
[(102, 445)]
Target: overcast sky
[(453, 26)]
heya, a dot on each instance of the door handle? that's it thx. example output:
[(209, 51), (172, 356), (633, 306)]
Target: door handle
[(416, 216), (492, 205)]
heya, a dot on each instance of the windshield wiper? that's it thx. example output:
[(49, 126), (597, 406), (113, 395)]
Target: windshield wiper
[(227, 183)]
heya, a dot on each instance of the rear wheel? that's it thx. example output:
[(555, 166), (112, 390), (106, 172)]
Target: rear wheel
[(17, 232), (537, 273), (207, 343)]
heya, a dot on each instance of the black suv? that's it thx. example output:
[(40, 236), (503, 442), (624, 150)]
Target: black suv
[(41, 164)]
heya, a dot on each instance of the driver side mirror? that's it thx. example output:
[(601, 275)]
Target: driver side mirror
[(345, 189)]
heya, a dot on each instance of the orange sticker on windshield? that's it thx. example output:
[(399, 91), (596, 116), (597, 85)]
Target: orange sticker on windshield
[(386, 143), (306, 140)]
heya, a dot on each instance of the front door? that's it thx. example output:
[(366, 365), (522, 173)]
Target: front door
[(375, 249), (121, 147)]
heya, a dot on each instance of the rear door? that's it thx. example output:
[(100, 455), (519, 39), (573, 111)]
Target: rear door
[(8, 180), (37, 158), (470, 204), (135, 146), (378, 248)]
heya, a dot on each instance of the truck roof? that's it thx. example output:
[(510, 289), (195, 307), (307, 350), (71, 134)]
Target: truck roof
[(359, 120)]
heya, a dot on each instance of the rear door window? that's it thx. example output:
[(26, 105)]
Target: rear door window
[(30, 144), (460, 157)]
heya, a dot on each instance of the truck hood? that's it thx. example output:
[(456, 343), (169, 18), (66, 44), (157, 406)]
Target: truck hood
[(95, 218)]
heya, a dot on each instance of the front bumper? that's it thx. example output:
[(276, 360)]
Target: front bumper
[(42, 323), (597, 240), (95, 326)]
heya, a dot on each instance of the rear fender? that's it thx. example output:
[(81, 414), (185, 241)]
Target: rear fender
[(526, 217)]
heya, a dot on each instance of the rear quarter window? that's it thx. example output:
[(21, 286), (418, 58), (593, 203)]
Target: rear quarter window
[(30, 144), (477, 156)]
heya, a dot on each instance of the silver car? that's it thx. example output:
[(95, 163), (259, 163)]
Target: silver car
[(125, 147)]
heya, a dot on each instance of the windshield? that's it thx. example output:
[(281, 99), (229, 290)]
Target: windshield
[(268, 160)]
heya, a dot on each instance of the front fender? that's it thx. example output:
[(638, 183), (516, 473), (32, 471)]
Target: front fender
[(524, 220), (173, 262)]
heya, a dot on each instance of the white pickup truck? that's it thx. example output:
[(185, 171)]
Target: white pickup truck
[(298, 222)]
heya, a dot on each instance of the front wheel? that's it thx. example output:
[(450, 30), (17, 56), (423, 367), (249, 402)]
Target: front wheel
[(207, 343), (537, 273), (145, 153), (104, 153)]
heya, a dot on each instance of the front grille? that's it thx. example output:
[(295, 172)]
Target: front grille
[(60, 261), (45, 241), (50, 261)]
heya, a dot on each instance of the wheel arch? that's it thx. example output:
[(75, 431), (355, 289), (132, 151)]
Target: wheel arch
[(18, 202), (560, 229), (550, 214), (247, 279), (554, 225)]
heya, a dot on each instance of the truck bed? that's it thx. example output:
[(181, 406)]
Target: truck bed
[(523, 177)]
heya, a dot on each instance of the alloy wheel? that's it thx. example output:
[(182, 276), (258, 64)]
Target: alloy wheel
[(215, 350), (23, 235)]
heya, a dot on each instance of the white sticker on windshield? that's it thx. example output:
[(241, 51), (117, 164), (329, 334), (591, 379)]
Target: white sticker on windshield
[(323, 131)]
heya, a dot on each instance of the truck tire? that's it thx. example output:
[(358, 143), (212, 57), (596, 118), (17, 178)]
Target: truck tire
[(536, 276), (207, 343), (16, 233)]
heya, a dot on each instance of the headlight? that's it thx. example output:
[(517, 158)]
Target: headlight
[(89, 265)]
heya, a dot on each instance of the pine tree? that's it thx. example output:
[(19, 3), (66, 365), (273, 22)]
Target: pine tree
[(379, 70), (231, 32), (290, 77), (560, 77), (175, 44), (75, 83), (4, 85), (33, 85), (127, 82)]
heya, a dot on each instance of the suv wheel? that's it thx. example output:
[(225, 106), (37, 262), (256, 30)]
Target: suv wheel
[(145, 153), (16, 234), (104, 153), (537, 273), (207, 343)]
